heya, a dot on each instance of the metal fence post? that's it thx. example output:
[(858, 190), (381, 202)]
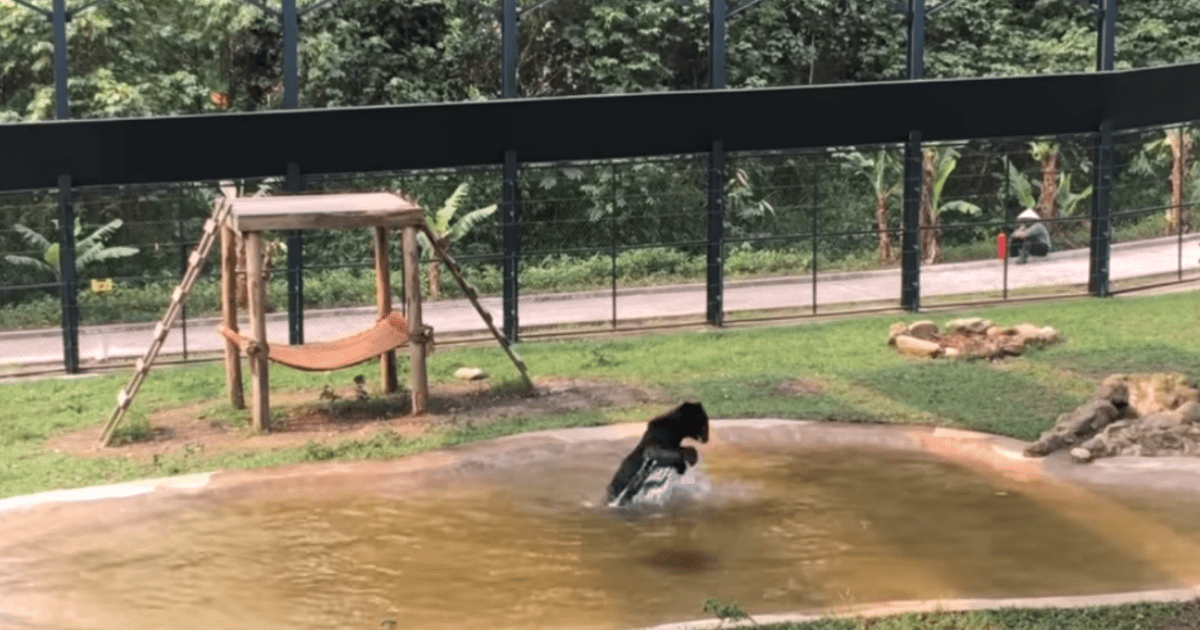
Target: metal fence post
[(716, 234), (68, 279), (714, 285), (295, 265), (910, 238), (1101, 235), (910, 242), (511, 218)]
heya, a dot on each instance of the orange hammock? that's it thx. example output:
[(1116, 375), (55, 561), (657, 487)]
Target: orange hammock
[(387, 334)]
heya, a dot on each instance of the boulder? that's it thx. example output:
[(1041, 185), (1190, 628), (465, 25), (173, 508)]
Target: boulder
[(1190, 411), (917, 347), (970, 325), (470, 374), (923, 329), (897, 329), (1081, 455)]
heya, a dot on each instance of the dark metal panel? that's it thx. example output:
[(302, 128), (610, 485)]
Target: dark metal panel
[(189, 148)]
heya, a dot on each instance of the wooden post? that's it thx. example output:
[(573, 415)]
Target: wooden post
[(233, 362), (412, 300), (383, 298), (259, 371)]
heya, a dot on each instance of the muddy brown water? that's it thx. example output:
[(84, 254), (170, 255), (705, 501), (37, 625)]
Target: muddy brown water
[(512, 536)]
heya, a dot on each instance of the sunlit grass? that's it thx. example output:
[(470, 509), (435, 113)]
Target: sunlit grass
[(844, 368)]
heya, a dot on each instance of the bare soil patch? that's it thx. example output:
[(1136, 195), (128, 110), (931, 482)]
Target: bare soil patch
[(304, 416)]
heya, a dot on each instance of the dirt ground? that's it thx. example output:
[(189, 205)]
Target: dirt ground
[(340, 414)]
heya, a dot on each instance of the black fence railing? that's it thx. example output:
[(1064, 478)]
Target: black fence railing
[(623, 244)]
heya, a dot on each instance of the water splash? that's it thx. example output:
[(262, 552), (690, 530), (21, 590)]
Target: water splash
[(659, 487)]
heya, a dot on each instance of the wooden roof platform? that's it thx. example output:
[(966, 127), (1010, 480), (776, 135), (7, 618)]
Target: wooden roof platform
[(324, 212)]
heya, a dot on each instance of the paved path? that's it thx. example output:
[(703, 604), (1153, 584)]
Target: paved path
[(1132, 260)]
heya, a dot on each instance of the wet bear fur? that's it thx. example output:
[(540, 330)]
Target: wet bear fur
[(661, 445)]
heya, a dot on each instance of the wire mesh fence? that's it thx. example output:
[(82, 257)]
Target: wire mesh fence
[(622, 244)]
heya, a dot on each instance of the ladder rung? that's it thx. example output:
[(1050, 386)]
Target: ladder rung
[(177, 294), (140, 365), (160, 330), (194, 258), (123, 398), (209, 226)]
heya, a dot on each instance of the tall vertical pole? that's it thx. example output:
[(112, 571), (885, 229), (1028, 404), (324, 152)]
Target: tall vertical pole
[(290, 19), (910, 236), (1106, 35), (715, 311), (295, 265), (910, 246), (291, 67), (68, 288), (716, 44), (716, 232), (1101, 234), (511, 219), (59, 17), (508, 36), (511, 214)]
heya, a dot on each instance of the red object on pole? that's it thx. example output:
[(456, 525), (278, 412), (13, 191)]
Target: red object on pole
[(1002, 245)]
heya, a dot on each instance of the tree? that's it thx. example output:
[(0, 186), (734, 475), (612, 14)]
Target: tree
[(1179, 143), (89, 250), (1065, 200), (447, 229), (882, 170), (937, 165), (1046, 153)]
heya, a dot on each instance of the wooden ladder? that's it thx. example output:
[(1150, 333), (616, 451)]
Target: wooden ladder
[(196, 261)]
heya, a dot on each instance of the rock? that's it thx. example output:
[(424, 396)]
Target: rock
[(1081, 455), (1163, 420), (1149, 393), (1000, 331), (972, 325), (923, 329), (1190, 411), (1114, 390), (917, 347), (951, 353), (1074, 427), (897, 329), (470, 374), (1049, 334)]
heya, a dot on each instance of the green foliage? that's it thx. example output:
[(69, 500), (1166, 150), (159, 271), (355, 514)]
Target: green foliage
[(725, 612), (88, 250)]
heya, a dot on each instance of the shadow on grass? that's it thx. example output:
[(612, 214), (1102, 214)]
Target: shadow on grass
[(771, 395), (973, 396), (1101, 362)]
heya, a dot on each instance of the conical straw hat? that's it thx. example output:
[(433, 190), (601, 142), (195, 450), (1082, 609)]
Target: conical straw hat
[(1029, 214)]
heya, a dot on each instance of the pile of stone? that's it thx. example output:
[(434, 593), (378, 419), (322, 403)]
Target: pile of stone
[(1129, 414), (972, 337)]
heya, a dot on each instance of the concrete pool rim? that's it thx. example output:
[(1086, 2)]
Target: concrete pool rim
[(954, 444)]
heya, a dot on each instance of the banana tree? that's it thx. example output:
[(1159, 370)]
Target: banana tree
[(1179, 143), (88, 250), (882, 169), (449, 229), (938, 163), (1046, 153), (1065, 200)]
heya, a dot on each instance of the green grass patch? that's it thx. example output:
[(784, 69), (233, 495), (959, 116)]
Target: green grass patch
[(1142, 616), (973, 395), (837, 370)]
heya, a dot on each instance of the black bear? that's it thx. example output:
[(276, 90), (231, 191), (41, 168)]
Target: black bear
[(659, 449)]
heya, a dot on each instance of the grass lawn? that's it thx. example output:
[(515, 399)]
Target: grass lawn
[(837, 371)]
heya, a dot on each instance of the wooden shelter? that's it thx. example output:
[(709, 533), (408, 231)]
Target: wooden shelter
[(248, 218)]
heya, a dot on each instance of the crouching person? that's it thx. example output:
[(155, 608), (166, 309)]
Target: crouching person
[(1030, 237)]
